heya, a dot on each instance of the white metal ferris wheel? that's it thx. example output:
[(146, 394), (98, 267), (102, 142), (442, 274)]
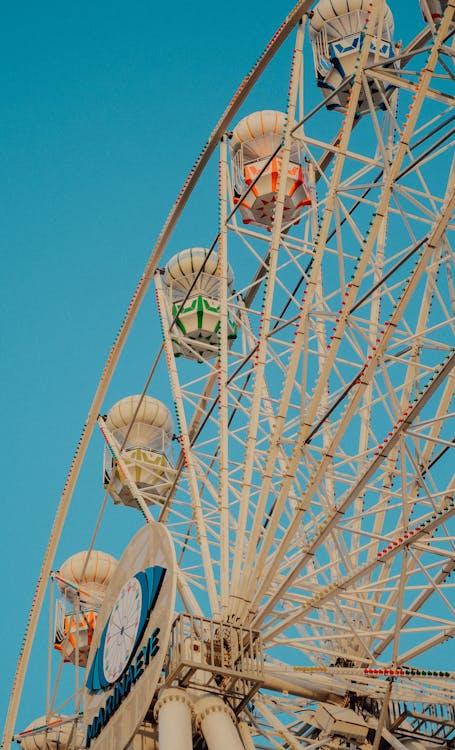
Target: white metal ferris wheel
[(310, 353)]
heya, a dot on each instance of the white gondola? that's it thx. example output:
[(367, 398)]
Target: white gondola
[(57, 733), (88, 574), (257, 156), (142, 428), (193, 287), (82, 581), (337, 30)]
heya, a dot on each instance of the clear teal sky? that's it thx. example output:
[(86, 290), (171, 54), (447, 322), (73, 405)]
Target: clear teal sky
[(105, 107)]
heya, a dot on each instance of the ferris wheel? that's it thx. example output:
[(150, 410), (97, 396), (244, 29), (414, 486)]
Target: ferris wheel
[(291, 584)]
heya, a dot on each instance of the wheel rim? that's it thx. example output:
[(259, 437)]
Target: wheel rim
[(320, 516)]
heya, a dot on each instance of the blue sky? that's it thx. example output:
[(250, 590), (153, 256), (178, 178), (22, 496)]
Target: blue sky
[(105, 108)]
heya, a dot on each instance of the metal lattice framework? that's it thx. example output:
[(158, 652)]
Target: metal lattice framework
[(312, 497)]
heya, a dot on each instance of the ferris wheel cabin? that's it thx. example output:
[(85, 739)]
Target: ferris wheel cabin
[(82, 581), (337, 30), (257, 157), (192, 279), (142, 427), (56, 732)]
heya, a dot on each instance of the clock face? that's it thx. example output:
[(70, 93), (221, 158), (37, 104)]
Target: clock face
[(122, 629), (125, 627), (130, 640)]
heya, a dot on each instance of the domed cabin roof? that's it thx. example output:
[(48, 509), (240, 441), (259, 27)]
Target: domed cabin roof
[(55, 735), (260, 134), (327, 10), (185, 265), (256, 125), (90, 576), (152, 416)]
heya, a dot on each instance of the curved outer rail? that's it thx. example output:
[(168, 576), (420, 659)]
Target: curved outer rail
[(237, 100)]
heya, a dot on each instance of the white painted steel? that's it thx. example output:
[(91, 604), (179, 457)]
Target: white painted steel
[(173, 712), (277, 571), (188, 457), (313, 495), (245, 734), (433, 9), (216, 721)]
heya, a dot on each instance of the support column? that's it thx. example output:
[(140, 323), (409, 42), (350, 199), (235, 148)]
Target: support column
[(245, 734), (216, 721), (173, 712)]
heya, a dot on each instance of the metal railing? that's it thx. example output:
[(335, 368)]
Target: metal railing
[(210, 656), (435, 721)]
